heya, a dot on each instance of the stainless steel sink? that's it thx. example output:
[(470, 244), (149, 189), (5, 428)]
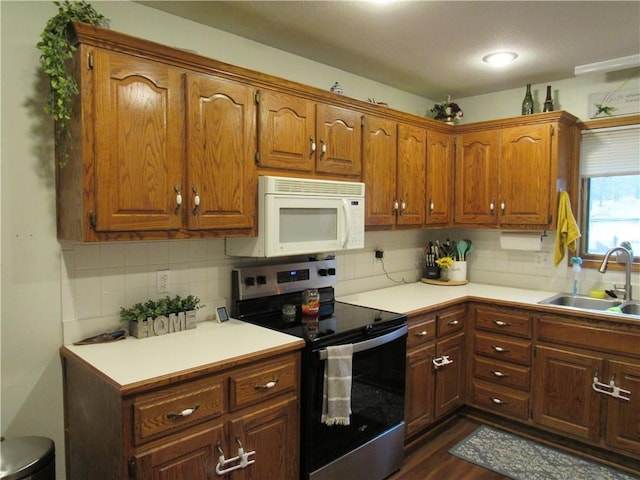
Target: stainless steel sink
[(578, 301)]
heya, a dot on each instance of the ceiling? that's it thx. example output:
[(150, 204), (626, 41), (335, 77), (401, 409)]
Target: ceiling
[(433, 48)]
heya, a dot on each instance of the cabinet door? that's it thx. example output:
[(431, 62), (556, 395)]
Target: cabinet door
[(439, 178), (192, 456), (273, 433), (339, 137), (379, 170), (450, 378), (623, 417), (220, 147), (286, 132), (412, 153), (525, 170), (476, 178), (139, 117), (562, 394), (418, 410)]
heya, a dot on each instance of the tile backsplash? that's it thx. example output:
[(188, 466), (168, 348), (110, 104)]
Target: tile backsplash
[(99, 278)]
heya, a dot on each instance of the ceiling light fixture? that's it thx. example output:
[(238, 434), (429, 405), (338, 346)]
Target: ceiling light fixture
[(500, 58), (609, 65)]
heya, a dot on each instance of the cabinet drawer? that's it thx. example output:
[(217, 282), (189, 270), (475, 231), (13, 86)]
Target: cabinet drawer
[(502, 373), (258, 383), (503, 348), (422, 329), (501, 399), (177, 407), (451, 320), (506, 322)]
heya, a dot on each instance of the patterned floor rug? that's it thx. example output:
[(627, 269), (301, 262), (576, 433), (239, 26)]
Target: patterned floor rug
[(522, 459)]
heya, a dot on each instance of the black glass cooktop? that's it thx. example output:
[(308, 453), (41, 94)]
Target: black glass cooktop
[(337, 322)]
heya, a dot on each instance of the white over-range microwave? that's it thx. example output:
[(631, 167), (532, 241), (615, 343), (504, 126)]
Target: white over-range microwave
[(303, 216)]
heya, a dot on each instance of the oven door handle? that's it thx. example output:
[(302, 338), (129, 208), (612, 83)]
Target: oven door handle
[(373, 342)]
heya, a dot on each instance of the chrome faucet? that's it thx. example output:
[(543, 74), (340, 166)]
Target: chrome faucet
[(627, 267)]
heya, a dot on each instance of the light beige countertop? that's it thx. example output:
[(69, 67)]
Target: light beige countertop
[(413, 297), (130, 361)]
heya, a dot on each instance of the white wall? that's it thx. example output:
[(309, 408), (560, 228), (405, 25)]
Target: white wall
[(53, 293)]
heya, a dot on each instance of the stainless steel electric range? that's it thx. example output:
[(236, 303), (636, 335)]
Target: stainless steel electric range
[(371, 447)]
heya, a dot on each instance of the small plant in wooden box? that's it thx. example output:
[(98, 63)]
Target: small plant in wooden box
[(159, 317)]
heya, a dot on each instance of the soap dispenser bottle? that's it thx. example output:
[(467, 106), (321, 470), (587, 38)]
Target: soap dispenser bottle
[(576, 263)]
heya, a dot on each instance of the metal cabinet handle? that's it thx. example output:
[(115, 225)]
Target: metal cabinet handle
[(431, 206), (499, 374), (178, 195), (497, 401), (502, 206), (500, 349), (267, 386), (500, 323), (184, 413), (323, 148), (396, 206), (492, 206), (423, 333), (403, 206), (453, 323)]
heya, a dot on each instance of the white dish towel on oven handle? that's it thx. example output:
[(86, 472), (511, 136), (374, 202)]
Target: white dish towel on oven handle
[(336, 394)]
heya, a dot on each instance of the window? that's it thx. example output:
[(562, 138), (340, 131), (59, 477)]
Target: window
[(610, 181)]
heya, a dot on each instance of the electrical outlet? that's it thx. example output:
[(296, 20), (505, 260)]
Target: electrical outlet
[(162, 281), (379, 254), (543, 259)]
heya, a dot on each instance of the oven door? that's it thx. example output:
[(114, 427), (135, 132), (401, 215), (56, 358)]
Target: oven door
[(377, 399)]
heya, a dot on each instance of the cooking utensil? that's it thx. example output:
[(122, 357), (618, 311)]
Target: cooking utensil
[(462, 247)]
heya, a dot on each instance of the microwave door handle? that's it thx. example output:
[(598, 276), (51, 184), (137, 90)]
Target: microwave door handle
[(347, 222), (372, 343)]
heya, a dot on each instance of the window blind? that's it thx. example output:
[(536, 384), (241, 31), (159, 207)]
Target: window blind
[(610, 151)]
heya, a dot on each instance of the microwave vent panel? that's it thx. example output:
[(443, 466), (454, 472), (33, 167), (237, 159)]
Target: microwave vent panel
[(300, 186)]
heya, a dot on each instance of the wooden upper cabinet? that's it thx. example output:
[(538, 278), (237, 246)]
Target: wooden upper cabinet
[(221, 143), (339, 140), (476, 178), (412, 152), (525, 171), (439, 178), (138, 131), (379, 140), (299, 135), (286, 126)]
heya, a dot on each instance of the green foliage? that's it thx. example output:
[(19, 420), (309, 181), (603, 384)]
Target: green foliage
[(56, 51), (155, 308)]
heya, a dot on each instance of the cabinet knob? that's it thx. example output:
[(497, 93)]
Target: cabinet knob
[(502, 206), (323, 148), (499, 374), (313, 146), (492, 206), (453, 323), (403, 206), (497, 401), (423, 333), (396, 206), (431, 206)]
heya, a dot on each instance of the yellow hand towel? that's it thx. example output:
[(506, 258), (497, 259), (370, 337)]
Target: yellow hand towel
[(568, 231)]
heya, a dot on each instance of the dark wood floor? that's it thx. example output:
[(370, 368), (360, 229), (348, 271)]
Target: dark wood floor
[(432, 461)]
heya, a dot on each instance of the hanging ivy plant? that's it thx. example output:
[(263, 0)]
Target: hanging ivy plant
[(56, 51)]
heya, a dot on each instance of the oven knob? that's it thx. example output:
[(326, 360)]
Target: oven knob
[(249, 281), (323, 272), (261, 279), (332, 271)]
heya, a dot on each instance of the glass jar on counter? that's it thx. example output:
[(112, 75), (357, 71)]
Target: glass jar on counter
[(310, 302)]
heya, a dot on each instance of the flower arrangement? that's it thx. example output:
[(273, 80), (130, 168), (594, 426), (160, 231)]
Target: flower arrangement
[(447, 111), (444, 262)]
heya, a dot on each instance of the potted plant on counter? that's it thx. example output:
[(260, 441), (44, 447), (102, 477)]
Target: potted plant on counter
[(159, 317)]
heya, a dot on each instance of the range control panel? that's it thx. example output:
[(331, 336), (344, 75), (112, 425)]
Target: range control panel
[(267, 280)]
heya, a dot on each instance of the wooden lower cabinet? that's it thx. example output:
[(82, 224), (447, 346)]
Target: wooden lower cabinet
[(574, 354), (432, 392), (178, 429)]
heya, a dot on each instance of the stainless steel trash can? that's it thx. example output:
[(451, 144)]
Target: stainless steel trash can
[(27, 458)]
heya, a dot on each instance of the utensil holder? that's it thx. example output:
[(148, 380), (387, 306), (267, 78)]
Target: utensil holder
[(458, 271)]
